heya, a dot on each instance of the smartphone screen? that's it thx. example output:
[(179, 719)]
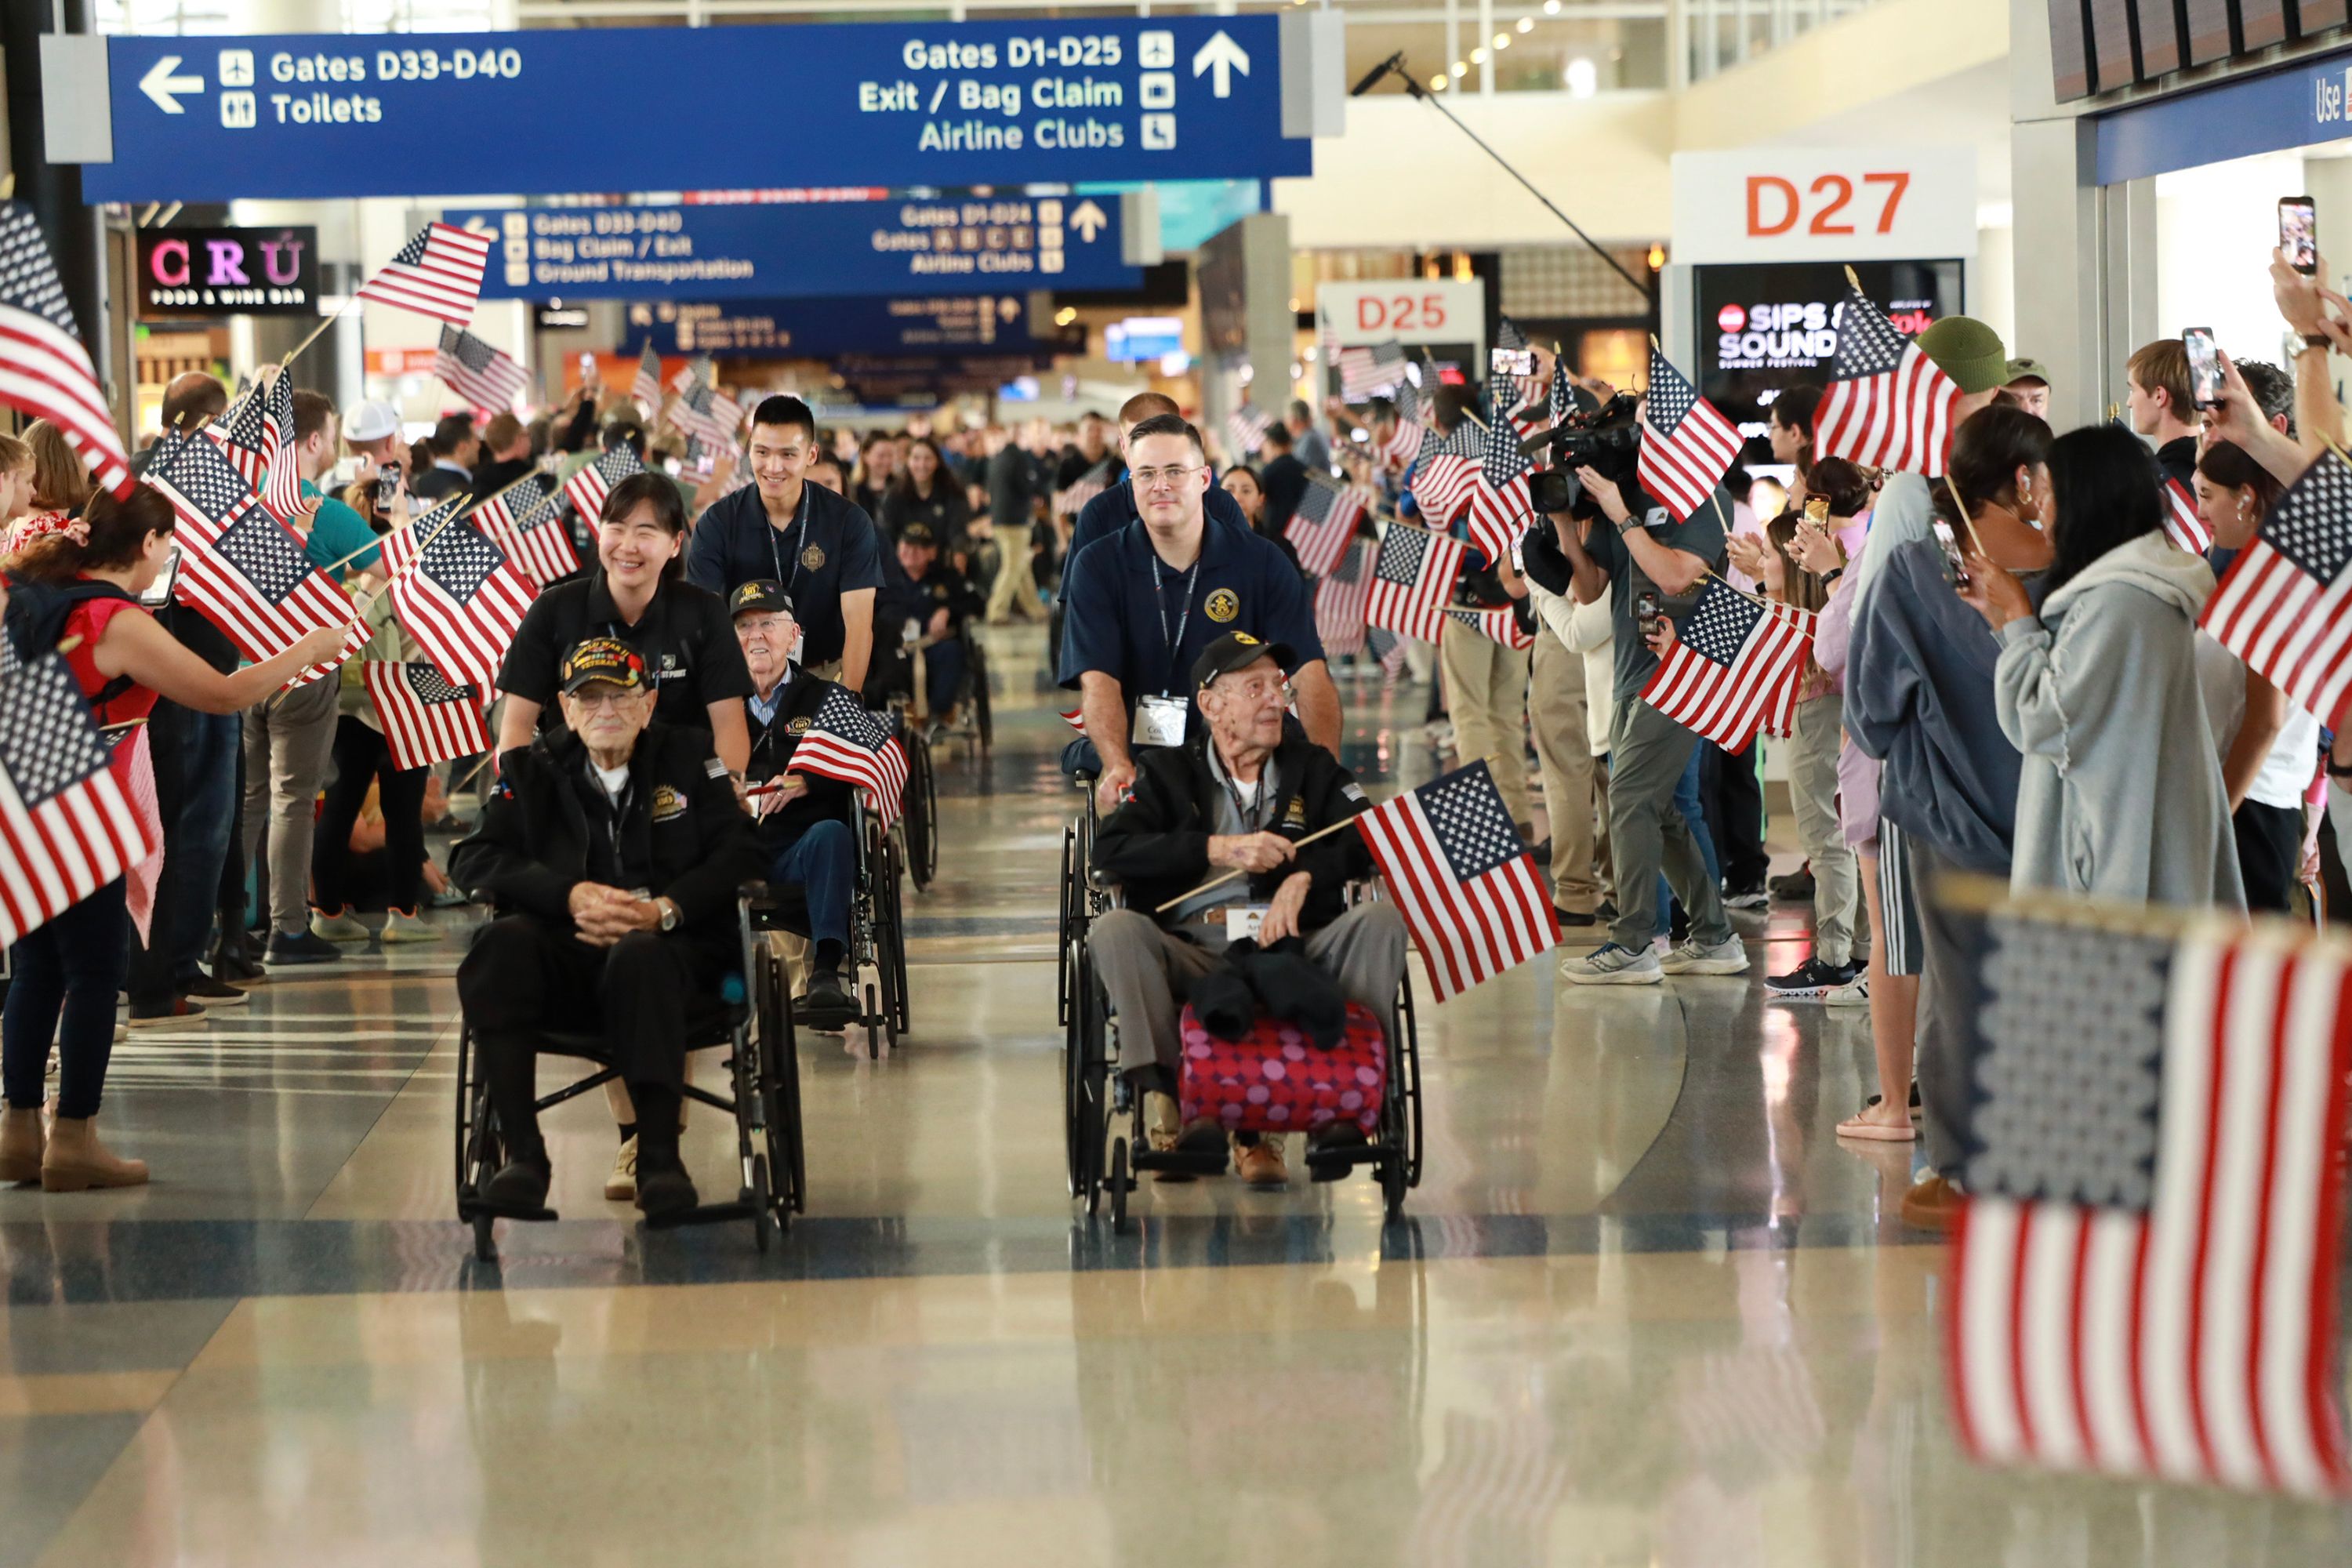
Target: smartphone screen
[(2299, 233), (587, 366), (1511, 362), (2204, 366), (1956, 572), (387, 486)]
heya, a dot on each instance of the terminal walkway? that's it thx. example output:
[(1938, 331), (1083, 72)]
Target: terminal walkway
[(1644, 1308)]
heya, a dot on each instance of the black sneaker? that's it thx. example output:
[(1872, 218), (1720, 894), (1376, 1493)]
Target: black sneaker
[(1746, 898), (1542, 852), (165, 1015), (303, 949), (1606, 913), (519, 1187), (231, 963), (1793, 889), (215, 992), (666, 1191), (826, 1002), (1810, 980), (1572, 917)]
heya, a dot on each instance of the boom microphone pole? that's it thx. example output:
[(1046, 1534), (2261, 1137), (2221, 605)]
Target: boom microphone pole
[(1394, 65)]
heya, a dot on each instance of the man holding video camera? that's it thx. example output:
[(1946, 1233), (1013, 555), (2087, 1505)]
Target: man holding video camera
[(1613, 539)]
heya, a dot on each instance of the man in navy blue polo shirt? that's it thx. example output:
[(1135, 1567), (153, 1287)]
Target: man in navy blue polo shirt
[(1115, 507), (1142, 603), (821, 546)]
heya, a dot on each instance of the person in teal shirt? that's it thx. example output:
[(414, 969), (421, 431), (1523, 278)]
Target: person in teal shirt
[(336, 531)]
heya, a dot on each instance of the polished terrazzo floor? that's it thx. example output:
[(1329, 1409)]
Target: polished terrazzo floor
[(1644, 1309)]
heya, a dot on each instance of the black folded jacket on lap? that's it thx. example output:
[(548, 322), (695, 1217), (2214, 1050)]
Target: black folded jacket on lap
[(1277, 981)]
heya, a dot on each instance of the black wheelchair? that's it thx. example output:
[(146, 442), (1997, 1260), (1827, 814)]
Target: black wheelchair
[(1103, 1117), (752, 1020), (891, 690), (878, 939)]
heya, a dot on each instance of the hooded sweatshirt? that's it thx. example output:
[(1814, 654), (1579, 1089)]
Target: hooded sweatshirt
[(2121, 795), (1920, 698)]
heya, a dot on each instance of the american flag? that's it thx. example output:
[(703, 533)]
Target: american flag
[(44, 369), (1246, 427), (1368, 372), (456, 594), (726, 416), (437, 273), (699, 371), (853, 746), (1735, 663), (1563, 395), (1076, 718), (1499, 501), (2182, 523), (645, 391), (1449, 467), (1341, 598), (587, 489), (2149, 1290), (524, 520), (425, 719), (1326, 519), (241, 567), (1412, 576), (1686, 446), (476, 371), (1496, 625), (693, 413), (2283, 605), (66, 827), (1887, 405), (1462, 877), (257, 436), (1402, 444), (1515, 392)]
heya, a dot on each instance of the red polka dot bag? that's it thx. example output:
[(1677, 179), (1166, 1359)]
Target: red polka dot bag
[(1277, 1081)]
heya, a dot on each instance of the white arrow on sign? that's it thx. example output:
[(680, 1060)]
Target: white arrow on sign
[(1089, 220), (159, 84), (1225, 56)]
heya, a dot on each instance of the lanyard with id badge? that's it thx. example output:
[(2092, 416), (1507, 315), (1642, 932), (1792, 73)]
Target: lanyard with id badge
[(1160, 721)]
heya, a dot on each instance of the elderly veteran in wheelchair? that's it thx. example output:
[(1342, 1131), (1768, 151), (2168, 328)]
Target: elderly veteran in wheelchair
[(1237, 796), (612, 846)]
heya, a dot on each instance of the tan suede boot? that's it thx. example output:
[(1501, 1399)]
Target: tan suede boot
[(20, 1145), (76, 1160)]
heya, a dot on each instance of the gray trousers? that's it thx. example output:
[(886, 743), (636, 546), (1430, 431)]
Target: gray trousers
[(1647, 754), (1942, 1063), (1812, 793), (1148, 971), (289, 739)]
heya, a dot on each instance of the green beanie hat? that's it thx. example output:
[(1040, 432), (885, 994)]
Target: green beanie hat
[(1969, 351)]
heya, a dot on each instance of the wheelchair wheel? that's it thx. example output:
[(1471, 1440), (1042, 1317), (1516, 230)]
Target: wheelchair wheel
[(1405, 1071), (920, 811), (787, 1157), (877, 1027), (976, 669), (763, 1222), (464, 1113), (485, 1241), (1118, 1186), (1069, 919)]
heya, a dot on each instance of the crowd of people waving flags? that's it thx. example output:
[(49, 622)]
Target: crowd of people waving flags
[(2043, 761)]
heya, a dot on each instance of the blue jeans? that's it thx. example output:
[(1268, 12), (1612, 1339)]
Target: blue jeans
[(823, 863), (72, 968), (195, 786), (1687, 802)]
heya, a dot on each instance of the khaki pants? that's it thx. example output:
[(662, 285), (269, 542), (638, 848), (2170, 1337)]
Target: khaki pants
[(1147, 972), (289, 739), (1014, 592), (1564, 748), (1486, 694), (1812, 793)]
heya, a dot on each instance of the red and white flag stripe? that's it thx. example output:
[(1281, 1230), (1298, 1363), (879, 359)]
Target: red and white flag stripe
[(2197, 1341), (47, 374), (468, 640), (59, 851), (1468, 932), (437, 273), (1727, 703), (2182, 523), (418, 732)]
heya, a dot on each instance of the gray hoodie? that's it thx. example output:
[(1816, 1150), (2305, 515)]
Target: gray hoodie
[(2121, 795)]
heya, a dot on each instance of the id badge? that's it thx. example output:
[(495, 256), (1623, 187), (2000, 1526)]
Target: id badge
[(1159, 722), (1243, 920)]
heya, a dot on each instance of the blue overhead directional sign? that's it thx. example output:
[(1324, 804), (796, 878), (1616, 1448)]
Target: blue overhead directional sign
[(889, 104), (956, 326), (962, 245)]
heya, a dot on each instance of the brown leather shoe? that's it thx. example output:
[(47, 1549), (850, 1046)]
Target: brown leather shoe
[(1932, 1203), (76, 1161), (1260, 1164), (21, 1142)]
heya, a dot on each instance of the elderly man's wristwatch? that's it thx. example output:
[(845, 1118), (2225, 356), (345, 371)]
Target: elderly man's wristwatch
[(669, 916)]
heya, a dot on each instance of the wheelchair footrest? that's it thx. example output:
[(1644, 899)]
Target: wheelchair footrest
[(703, 1214), (1345, 1158), (1205, 1163)]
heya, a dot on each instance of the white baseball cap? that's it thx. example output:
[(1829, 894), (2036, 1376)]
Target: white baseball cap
[(372, 422)]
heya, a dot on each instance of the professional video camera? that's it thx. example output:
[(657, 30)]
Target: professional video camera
[(1607, 440)]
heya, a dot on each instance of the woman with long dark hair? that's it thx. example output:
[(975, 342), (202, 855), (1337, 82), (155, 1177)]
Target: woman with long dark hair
[(925, 489), (2121, 795), (67, 972)]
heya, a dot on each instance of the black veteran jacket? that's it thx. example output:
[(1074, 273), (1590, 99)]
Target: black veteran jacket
[(548, 825), (772, 744), (1156, 843)]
